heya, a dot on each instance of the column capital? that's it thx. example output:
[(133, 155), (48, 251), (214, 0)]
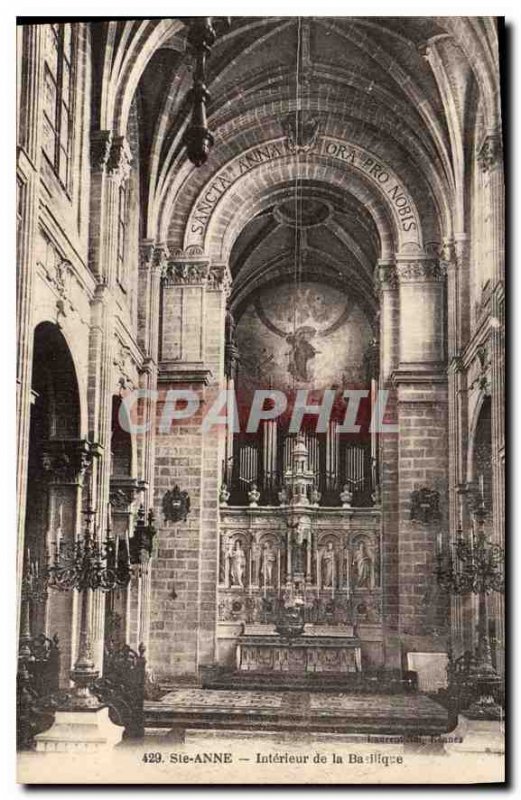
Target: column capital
[(219, 278), (188, 267), (67, 460), (153, 257), (100, 144), (385, 276), (491, 151), (429, 270), (120, 159)]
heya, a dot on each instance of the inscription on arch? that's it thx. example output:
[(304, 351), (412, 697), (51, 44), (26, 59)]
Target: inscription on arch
[(379, 173)]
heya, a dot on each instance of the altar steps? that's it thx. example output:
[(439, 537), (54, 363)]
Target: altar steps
[(398, 714), (366, 682)]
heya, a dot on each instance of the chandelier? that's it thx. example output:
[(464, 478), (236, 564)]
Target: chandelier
[(201, 36)]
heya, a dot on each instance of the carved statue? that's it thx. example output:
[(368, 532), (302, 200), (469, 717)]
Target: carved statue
[(283, 496), (363, 567), (224, 495), (328, 560), (315, 496), (300, 545), (253, 495), (269, 557), (237, 564), (346, 496)]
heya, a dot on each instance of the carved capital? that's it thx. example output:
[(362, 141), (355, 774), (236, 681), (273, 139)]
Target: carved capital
[(66, 460), (122, 493), (146, 254), (386, 278), (219, 278), (428, 270), (185, 273), (160, 258), (490, 152), (119, 160), (100, 143)]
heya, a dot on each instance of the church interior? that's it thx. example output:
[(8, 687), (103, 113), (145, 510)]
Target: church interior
[(300, 212)]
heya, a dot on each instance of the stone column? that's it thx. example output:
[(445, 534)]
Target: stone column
[(30, 44), (387, 287), (153, 262), (422, 451), (491, 163), (110, 159)]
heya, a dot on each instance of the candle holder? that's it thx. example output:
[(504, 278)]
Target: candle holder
[(87, 565), (476, 566), (33, 590)]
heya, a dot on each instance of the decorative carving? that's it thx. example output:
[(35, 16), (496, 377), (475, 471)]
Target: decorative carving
[(329, 567), (219, 278), (253, 496), (301, 132), (418, 271), (176, 505), (363, 566), (100, 143), (425, 505), (386, 278), (346, 496), (269, 561), (237, 558), (224, 495), (490, 152), (119, 160), (66, 461), (125, 383), (185, 273)]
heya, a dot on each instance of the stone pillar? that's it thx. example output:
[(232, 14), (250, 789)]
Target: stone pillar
[(30, 47), (153, 262), (184, 577), (422, 452), (491, 163), (387, 287), (110, 160)]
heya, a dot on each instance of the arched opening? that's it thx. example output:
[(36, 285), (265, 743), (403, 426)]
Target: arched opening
[(54, 477), (302, 318)]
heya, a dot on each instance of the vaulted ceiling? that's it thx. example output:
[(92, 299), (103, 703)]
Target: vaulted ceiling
[(414, 92)]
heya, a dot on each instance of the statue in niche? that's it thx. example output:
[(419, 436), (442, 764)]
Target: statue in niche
[(269, 558), (301, 352), (237, 564), (329, 563), (363, 566), (300, 545)]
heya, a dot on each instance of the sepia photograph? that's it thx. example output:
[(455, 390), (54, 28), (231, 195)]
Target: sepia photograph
[(260, 321)]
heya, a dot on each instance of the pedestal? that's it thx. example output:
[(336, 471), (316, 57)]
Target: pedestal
[(80, 731)]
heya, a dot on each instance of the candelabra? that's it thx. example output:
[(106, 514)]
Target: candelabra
[(476, 567), (33, 590), (201, 37), (87, 564)]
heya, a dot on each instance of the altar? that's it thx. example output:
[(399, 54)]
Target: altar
[(319, 649)]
